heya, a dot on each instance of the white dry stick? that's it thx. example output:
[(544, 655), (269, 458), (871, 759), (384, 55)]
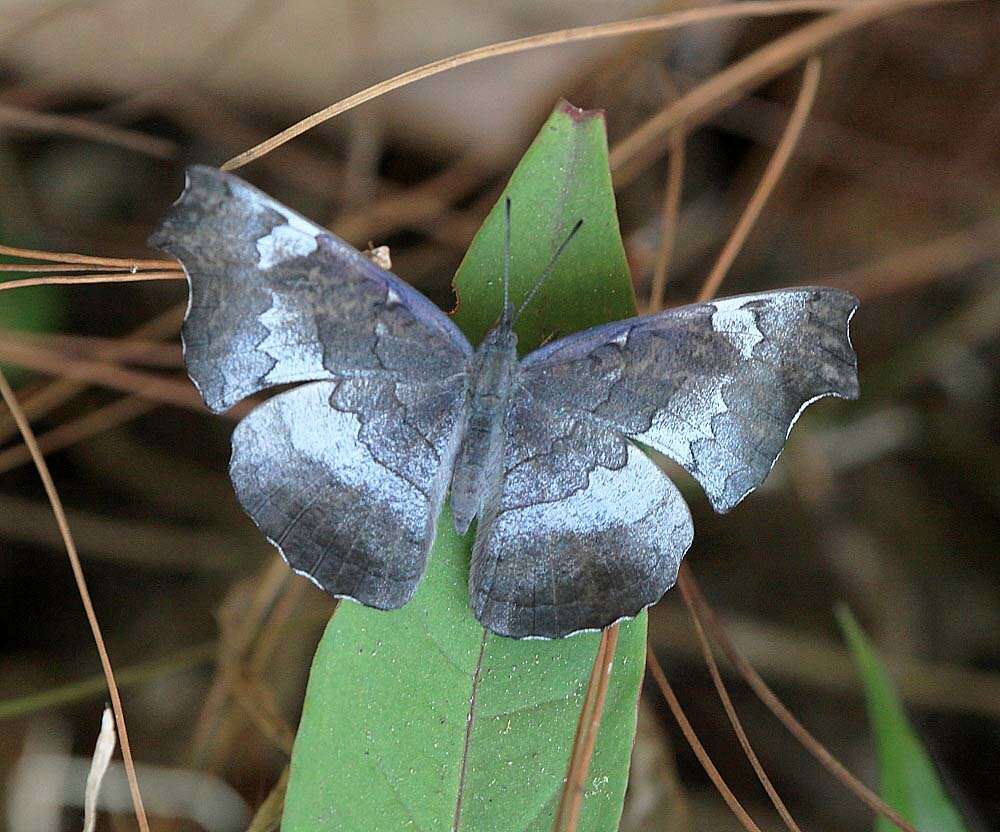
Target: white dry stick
[(98, 767)]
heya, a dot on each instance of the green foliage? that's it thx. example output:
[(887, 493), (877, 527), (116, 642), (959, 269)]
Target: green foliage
[(37, 309), (386, 740), (908, 779)]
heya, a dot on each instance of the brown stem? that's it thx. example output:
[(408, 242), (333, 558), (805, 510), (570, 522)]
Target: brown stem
[(591, 713), (734, 720), (699, 750)]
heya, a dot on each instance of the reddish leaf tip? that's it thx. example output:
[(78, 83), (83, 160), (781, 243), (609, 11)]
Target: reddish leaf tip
[(576, 113)]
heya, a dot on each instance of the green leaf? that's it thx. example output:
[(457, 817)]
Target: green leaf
[(909, 782), (418, 716)]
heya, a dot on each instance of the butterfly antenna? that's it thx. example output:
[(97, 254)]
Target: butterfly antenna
[(547, 271), (506, 317)]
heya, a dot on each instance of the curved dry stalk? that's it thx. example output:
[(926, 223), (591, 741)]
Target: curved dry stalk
[(146, 385), (128, 263), (768, 181), (692, 738), (144, 352), (591, 713), (778, 708), (104, 277), (80, 128), (55, 393), (916, 265), (668, 223), (29, 268), (81, 582), (725, 87), (734, 720), (654, 23), (98, 421)]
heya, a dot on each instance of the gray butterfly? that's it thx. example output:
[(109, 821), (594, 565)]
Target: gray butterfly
[(347, 472)]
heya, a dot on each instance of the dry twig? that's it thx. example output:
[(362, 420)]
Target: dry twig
[(591, 713), (81, 582), (768, 181), (104, 418), (55, 393), (656, 23), (53, 123), (777, 707), (734, 720), (668, 222), (149, 386), (726, 87), (699, 750), (103, 277)]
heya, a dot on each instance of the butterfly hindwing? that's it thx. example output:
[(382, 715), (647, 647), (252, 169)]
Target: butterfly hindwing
[(347, 481), (276, 299), (583, 530), (714, 386)]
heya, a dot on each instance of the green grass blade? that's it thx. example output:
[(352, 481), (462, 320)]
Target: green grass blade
[(384, 742), (909, 782)]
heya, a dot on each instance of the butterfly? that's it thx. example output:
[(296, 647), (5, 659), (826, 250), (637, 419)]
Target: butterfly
[(392, 410)]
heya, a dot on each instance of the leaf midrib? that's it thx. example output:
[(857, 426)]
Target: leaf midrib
[(469, 724)]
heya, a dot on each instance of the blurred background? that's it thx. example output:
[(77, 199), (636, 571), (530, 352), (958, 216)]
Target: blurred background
[(891, 503)]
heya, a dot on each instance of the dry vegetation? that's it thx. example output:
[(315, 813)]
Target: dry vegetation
[(874, 168)]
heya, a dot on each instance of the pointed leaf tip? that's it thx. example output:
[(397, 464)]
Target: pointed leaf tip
[(578, 114)]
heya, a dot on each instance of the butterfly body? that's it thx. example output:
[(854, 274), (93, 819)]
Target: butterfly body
[(492, 371), (347, 472)]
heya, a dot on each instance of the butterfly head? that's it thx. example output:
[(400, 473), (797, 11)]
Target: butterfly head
[(502, 338)]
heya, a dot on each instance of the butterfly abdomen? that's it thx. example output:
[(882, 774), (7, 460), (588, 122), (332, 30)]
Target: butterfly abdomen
[(479, 464)]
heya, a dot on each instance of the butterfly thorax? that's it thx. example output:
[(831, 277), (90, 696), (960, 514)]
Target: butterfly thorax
[(490, 386)]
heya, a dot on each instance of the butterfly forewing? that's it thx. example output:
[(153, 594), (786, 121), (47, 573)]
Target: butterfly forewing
[(715, 386), (276, 299)]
